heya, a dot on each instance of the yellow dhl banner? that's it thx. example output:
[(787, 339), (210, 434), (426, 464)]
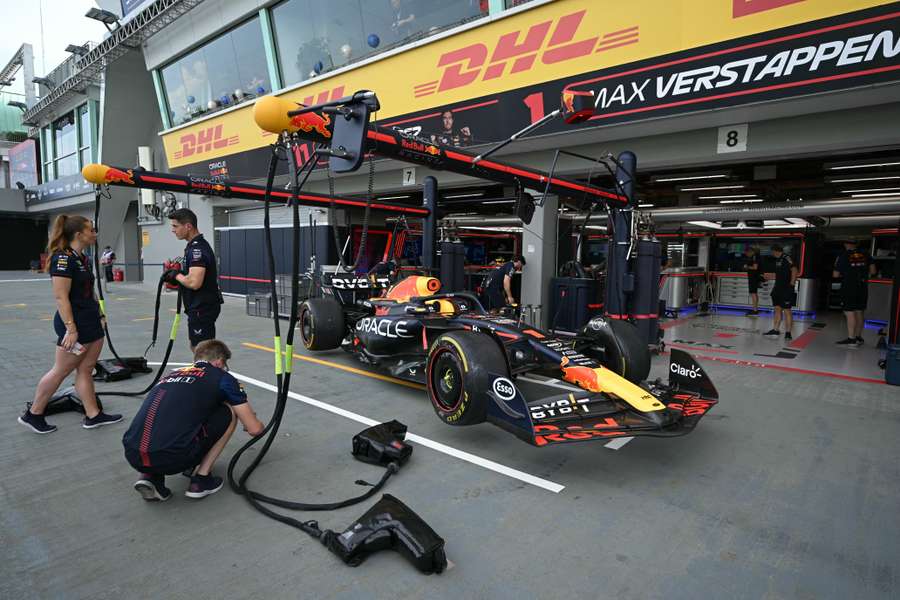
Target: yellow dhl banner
[(556, 40)]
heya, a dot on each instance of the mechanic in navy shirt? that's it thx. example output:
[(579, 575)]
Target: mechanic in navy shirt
[(854, 267), (498, 286), (783, 295), (185, 422), (77, 323), (198, 277)]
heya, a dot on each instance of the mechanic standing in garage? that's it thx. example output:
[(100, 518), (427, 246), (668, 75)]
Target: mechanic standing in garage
[(754, 275), (854, 267), (783, 295), (498, 287), (198, 277)]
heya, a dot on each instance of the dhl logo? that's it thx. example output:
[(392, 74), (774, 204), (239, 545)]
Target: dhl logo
[(742, 8), (554, 41), (205, 140)]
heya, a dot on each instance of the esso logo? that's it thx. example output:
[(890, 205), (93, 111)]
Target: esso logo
[(504, 389), (693, 372)]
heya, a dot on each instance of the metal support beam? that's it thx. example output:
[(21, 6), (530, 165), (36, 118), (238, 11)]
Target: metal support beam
[(429, 223)]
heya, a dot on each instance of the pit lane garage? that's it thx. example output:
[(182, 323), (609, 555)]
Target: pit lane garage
[(785, 487)]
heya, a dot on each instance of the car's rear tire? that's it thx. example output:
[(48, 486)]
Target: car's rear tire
[(461, 369), (618, 347), (321, 324)]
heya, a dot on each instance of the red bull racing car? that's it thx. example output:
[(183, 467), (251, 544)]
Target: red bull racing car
[(469, 361)]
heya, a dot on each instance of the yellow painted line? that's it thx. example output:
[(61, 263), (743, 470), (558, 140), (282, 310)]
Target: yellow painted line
[(14, 305), (144, 319), (334, 365)]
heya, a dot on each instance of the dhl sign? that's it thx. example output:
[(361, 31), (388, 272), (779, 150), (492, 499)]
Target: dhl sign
[(556, 40)]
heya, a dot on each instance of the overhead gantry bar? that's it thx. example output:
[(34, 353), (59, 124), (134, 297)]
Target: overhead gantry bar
[(135, 178), (273, 114)]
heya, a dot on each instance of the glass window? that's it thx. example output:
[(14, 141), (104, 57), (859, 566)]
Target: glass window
[(312, 37), (514, 3), (64, 135), (221, 73), (84, 135)]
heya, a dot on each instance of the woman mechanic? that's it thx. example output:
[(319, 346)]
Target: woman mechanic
[(77, 322)]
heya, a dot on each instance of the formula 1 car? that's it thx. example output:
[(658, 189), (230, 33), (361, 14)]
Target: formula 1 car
[(469, 360)]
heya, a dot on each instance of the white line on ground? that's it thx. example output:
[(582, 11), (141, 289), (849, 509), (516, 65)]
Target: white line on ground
[(618, 443), (614, 444), (20, 280), (439, 447)]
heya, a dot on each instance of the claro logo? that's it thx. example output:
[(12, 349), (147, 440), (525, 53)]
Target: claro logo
[(205, 140), (693, 372), (554, 41)]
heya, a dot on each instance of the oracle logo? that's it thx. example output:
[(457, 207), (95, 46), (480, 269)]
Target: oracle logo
[(553, 41)]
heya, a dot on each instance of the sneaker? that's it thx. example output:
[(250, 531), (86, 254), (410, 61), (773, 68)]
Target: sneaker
[(787, 336), (860, 341), (37, 423), (752, 313), (847, 342), (100, 420), (771, 332), (152, 488), (204, 485)]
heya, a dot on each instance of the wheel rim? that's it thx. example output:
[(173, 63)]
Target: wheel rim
[(447, 381), (305, 327)]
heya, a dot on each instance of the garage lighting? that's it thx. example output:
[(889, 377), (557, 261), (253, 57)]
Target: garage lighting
[(645, 205), (727, 196), (848, 180), (401, 197), (707, 224), (687, 177), (731, 201), (497, 201), (874, 195), (871, 190), (596, 227), (861, 165), (503, 229), (712, 187), (469, 195)]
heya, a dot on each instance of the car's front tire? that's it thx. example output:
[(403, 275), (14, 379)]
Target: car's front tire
[(460, 371)]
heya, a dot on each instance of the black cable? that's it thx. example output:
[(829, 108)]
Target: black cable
[(97, 195), (240, 485), (365, 225)]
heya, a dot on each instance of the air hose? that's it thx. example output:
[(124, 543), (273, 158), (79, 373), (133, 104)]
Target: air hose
[(283, 369), (172, 334)]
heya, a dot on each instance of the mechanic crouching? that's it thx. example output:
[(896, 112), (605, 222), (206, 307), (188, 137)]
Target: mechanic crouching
[(498, 285), (185, 422)]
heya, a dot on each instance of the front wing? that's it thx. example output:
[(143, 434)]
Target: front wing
[(581, 416)]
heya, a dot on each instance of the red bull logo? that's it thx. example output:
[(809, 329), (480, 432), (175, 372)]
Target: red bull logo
[(432, 150), (312, 122), (114, 175)]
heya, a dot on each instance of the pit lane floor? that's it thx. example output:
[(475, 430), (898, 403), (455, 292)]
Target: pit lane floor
[(786, 490)]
